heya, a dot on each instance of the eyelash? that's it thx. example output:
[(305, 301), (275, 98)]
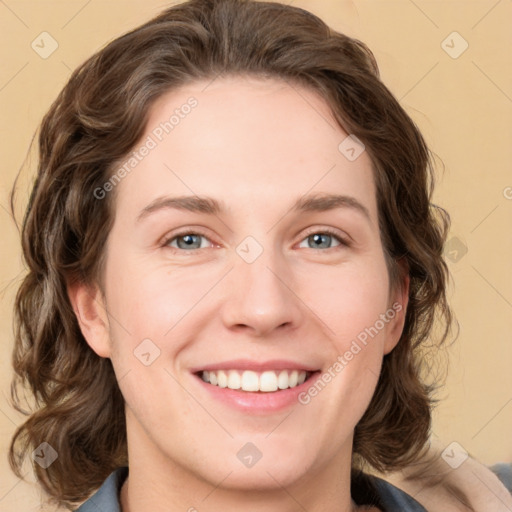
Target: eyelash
[(344, 242)]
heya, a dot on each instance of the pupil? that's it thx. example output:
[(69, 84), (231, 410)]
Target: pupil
[(187, 240), (318, 238)]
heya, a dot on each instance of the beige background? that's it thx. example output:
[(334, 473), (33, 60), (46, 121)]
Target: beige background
[(462, 105)]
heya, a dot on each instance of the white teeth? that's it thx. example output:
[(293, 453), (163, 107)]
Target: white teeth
[(234, 380), (283, 381), (267, 381), (250, 381), (222, 379)]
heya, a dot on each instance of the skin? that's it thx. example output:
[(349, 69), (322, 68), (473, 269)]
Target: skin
[(256, 146)]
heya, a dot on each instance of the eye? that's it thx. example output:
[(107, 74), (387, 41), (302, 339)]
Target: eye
[(323, 240), (186, 241)]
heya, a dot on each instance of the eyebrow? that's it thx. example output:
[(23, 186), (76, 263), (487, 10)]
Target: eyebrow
[(210, 206)]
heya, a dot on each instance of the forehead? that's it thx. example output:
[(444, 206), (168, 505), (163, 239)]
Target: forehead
[(239, 139)]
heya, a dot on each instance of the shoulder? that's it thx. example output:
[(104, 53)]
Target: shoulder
[(393, 498), (106, 498), (504, 472), (371, 490), (470, 486)]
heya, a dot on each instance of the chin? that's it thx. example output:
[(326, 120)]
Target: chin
[(263, 476), (246, 468)]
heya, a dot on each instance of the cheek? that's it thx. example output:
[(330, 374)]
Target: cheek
[(349, 300), (352, 306), (153, 314), (151, 302)]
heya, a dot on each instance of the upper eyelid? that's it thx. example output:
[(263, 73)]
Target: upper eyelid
[(341, 235), (166, 239)]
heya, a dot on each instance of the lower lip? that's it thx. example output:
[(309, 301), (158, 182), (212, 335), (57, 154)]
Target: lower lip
[(258, 402)]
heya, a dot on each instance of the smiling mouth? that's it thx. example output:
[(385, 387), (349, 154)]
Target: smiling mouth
[(247, 380)]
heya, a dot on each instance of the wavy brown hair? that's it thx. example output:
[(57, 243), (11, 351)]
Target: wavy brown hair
[(99, 117)]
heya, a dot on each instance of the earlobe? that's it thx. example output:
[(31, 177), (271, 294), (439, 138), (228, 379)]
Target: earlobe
[(399, 306), (89, 306)]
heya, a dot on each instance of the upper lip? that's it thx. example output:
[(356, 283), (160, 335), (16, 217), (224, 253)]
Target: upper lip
[(257, 366)]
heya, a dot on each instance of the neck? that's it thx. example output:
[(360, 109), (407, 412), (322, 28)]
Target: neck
[(158, 483), (132, 500)]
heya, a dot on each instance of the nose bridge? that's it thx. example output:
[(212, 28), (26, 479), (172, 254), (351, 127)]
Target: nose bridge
[(259, 297)]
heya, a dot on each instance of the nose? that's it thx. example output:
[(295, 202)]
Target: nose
[(260, 297)]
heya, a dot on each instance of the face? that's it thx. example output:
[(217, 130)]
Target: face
[(273, 266)]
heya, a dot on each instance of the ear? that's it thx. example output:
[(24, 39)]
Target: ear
[(399, 299), (89, 306)]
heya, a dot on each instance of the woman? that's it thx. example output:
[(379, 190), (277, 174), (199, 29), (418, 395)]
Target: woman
[(234, 265)]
